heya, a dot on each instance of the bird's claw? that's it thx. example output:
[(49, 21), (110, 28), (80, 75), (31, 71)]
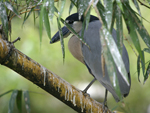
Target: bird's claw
[(85, 93), (105, 107)]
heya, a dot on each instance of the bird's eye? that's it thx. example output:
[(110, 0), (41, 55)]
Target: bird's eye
[(70, 22)]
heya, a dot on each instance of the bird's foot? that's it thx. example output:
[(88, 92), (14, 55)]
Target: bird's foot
[(105, 107), (85, 93)]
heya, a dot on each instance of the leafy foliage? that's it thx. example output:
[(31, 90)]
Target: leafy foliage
[(108, 12)]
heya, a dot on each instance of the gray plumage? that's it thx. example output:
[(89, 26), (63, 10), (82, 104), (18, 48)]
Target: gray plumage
[(92, 57)]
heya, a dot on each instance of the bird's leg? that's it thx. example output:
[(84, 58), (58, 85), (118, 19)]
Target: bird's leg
[(105, 102), (85, 90)]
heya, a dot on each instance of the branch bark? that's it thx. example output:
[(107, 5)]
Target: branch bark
[(47, 80)]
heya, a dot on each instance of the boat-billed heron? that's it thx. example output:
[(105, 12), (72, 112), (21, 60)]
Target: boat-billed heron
[(92, 57)]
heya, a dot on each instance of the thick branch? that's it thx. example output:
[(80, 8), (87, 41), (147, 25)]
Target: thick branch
[(47, 80)]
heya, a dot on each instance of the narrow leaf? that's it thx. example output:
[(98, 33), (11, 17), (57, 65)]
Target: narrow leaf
[(5, 93), (108, 4), (71, 7), (46, 22), (61, 39), (26, 17), (10, 7), (51, 9), (87, 16), (139, 26), (12, 101), (62, 7), (119, 30), (101, 10), (132, 31), (3, 16), (41, 24), (138, 67), (116, 55), (137, 7), (19, 101), (147, 50), (27, 100), (147, 73), (110, 64), (82, 6)]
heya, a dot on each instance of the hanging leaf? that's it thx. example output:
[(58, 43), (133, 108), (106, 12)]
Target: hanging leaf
[(119, 30), (82, 6), (27, 101), (41, 23), (137, 7), (138, 67), (12, 101), (26, 17), (51, 9), (19, 101), (108, 5), (147, 73), (115, 55), (5, 93), (3, 16), (139, 26), (61, 39), (62, 7), (110, 63), (132, 31), (46, 22), (71, 7), (10, 7)]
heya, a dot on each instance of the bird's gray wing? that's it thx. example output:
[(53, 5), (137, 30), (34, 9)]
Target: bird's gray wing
[(92, 58)]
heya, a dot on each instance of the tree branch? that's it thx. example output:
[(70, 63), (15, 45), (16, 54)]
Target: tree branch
[(47, 80)]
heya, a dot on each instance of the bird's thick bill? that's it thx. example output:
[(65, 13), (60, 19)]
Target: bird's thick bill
[(56, 37)]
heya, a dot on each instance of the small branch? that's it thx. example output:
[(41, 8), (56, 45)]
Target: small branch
[(47, 80)]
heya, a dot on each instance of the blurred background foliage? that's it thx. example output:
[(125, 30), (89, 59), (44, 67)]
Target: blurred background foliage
[(50, 56)]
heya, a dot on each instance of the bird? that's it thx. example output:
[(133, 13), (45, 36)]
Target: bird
[(91, 58)]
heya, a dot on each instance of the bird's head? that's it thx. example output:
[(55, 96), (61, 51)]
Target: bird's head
[(75, 23)]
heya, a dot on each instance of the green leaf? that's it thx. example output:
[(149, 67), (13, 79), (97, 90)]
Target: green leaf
[(41, 24), (76, 34), (147, 73), (87, 16), (51, 9), (120, 5), (61, 39), (119, 29), (26, 17), (19, 101), (5, 93), (82, 6), (139, 26), (115, 54), (27, 101), (129, 20), (137, 7), (147, 50), (12, 101), (62, 7), (10, 7), (46, 22), (138, 67), (143, 63), (109, 63), (108, 5), (71, 7), (101, 10), (3, 16)]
